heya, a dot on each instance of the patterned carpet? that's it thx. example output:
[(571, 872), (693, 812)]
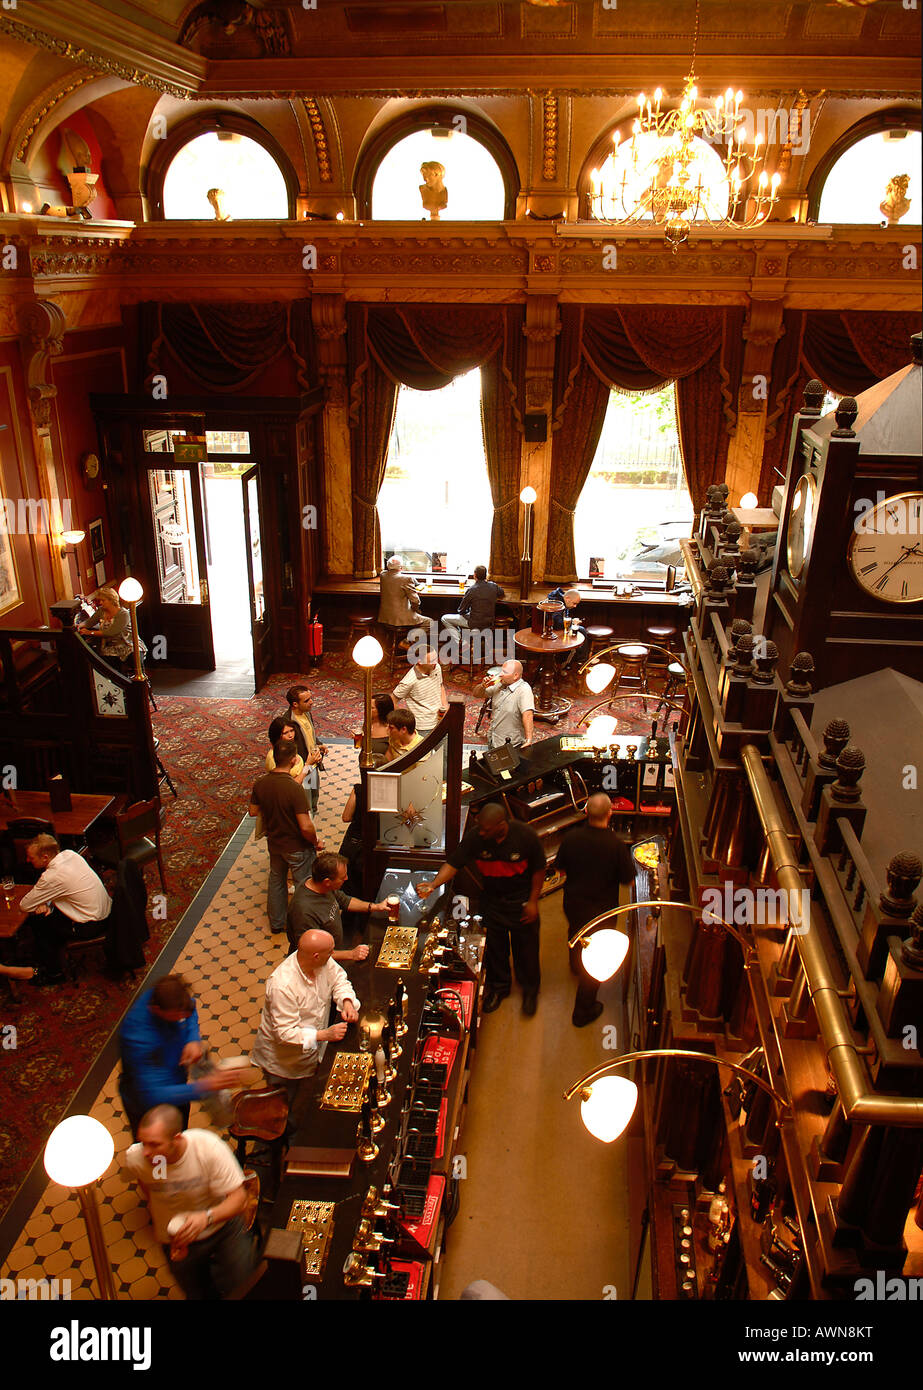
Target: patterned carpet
[(213, 751)]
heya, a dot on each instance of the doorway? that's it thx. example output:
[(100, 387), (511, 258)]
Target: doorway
[(226, 544)]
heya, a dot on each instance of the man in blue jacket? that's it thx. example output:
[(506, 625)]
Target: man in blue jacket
[(159, 1039)]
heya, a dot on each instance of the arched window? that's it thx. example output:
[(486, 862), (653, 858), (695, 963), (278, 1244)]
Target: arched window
[(470, 179), (480, 178), (249, 178), (859, 179), (435, 499), (634, 503)]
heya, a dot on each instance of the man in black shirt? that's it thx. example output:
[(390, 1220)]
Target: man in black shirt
[(595, 862), (478, 607), (510, 860)]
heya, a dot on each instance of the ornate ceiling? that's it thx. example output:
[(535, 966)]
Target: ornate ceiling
[(227, 48)]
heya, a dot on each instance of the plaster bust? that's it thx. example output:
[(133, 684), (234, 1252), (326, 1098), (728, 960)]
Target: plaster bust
[(216, 197), (433, 191), (896, 203)]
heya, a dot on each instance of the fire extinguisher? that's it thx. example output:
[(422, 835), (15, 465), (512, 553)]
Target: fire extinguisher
[(315, 639)]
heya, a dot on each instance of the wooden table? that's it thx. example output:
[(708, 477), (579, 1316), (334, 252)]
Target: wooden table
[(542, 652), (71, 825), (11, 918)]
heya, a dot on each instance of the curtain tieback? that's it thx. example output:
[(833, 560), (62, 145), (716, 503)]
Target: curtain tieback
[(363, 502), (568, 511), (504, 506)]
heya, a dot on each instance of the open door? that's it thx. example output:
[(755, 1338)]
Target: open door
[(178, 606), (259, 614)]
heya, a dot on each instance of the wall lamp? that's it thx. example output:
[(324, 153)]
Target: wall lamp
[(607, 1103), (70, 541), (603, 955)]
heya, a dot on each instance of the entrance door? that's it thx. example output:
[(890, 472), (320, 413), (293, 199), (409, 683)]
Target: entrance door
[(178, 606), (260, 619)]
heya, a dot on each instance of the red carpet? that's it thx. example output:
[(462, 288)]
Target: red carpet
[(213, 750)]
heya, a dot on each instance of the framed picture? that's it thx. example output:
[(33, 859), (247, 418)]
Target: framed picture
[(384, 791), (10, 592), (97, 539), (439, 559), (597, 566)]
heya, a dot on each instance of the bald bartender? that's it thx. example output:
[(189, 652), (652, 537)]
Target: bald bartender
[(293, 1032)]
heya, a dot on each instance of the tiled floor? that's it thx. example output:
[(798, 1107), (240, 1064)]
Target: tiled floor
[(543, 1212), (227, 960)]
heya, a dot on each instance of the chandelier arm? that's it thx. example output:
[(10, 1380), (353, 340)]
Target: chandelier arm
[(648, 1054)]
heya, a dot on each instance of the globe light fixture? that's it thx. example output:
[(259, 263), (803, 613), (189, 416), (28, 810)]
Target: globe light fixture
[(749, 501), (77, 1154), (131, 593), (599, 676), (367, 653), (603, 954)]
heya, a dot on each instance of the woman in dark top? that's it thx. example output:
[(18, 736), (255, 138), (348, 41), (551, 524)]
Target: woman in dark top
[(380, 731)]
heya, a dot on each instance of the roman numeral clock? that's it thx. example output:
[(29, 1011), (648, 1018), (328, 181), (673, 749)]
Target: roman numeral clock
[(847, 580)]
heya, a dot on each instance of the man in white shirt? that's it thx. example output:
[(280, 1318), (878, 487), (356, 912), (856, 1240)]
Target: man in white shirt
[(511, 706), (68, 903), (423, 691), (192, 1174), (293, 1032)]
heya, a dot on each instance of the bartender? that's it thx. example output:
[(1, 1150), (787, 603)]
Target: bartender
[(509, 857)]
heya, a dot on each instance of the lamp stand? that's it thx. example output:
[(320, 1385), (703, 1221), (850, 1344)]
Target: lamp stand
[(86, 1196), (136, 645)]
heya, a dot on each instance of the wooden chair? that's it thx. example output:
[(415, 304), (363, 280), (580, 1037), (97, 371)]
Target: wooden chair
[(76, 951), (18, 834), (132, 829)]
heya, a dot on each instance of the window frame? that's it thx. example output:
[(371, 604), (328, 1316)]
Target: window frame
[(895, 118), (435, 117), (208, 123)]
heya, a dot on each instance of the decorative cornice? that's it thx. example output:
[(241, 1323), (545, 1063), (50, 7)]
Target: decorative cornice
[(90, 58), (44, 104)]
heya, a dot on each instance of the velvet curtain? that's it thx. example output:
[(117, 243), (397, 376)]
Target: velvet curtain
[(225, 346), (424, 347), (848, 351), (639, 349)]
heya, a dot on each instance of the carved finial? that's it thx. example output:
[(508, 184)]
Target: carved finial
[(800, 673), (836, 737), (724, 490), (713, 500), (739, 628), (719, 579), (904, 872), (850, 765), (912, 948), (814, 394), (767, 656), (743, 655), (732, 532), (746, 563), (845, 414)]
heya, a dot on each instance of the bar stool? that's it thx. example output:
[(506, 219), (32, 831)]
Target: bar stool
[(392, 637), (598, 636), (663, 635), (632, 665), (676, 680), (360, 625)]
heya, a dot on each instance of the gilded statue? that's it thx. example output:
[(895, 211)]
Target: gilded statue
[(216, 197)]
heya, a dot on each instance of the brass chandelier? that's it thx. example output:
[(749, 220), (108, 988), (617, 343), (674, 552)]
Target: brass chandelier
[(659, 174)]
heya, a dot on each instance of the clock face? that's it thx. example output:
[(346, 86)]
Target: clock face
[(885, 555), (90, 466), (801, 524)]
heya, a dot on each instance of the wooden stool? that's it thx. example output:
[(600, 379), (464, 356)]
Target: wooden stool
[(360, 625), (663, 635), (392, 637), (632, 665), (597, 636), (676, 680)]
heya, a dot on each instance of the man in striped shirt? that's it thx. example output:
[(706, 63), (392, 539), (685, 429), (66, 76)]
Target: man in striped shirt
[(423, 692)]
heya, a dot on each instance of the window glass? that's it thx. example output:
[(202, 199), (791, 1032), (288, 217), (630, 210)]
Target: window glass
[(435, 498), (634, 504), (246, 174), (858, 183), (227, 441), (471, 180)]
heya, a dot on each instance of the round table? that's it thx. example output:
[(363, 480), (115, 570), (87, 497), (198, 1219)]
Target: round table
[(542, 653)]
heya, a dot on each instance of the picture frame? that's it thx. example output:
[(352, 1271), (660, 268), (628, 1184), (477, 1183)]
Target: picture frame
[(383, 791), (97, 538), (10, 591)]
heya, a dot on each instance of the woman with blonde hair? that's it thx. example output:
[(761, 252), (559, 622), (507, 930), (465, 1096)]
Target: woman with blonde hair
[(111, 622)]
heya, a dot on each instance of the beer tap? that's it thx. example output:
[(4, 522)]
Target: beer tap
[(401, 1007), (375, 1207), (369, 1238), (387, 1043), (377, 1119), (366, 1149), (359, 1275), (393, 1016)]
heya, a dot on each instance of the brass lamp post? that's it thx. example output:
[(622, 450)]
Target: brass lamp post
[(78, 1152), (367, 653), (527, 498), (131, 592)]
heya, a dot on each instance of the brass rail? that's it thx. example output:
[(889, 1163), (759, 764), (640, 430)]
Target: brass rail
[(861, 1103)]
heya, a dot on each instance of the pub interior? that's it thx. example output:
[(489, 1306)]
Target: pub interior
[(517, 406)]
